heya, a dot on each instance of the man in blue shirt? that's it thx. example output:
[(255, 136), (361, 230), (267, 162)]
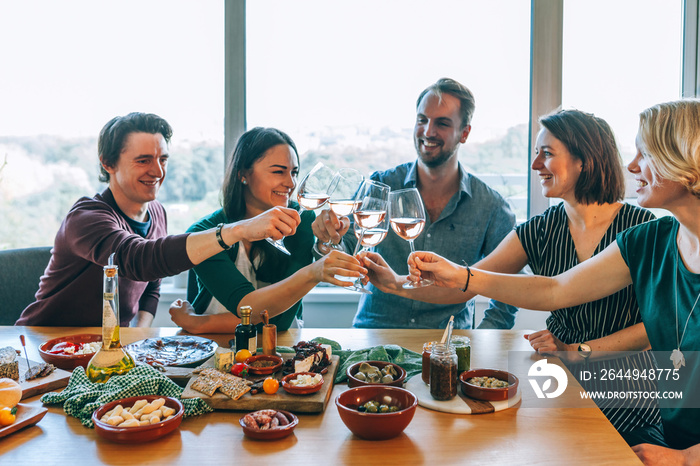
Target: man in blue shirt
[(466, 219)]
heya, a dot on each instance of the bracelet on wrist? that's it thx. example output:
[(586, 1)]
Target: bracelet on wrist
[(219, 238), (469, 275)]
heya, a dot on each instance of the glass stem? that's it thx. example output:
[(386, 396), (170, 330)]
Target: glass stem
[(359, 242)]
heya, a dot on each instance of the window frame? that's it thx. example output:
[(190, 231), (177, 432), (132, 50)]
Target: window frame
[(545, 72)]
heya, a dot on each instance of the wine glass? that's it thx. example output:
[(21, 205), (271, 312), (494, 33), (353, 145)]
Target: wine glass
[(372, 202), (368, 238), (407, 221), (344, 190), (313, 192)]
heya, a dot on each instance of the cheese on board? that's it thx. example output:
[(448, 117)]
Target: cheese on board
[(223, 359)]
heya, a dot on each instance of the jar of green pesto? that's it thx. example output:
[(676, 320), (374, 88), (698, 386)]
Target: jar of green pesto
[(463, 349)]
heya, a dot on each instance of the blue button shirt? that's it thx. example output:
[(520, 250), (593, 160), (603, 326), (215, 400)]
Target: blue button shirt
[(470, 226)]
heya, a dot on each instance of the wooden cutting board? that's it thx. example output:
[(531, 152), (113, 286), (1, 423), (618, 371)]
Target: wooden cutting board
[(312, 403), (57, 379)]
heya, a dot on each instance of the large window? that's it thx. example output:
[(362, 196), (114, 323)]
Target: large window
[(68, 67), (631, 62), (343, 77)]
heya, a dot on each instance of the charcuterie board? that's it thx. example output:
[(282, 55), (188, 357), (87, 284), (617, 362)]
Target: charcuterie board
[(312, 403), (57, 379)]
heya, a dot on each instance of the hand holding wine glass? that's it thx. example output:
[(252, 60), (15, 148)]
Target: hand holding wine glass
[(407, 221), (311, 194), (343, 201), (368, 238), (371, 211)]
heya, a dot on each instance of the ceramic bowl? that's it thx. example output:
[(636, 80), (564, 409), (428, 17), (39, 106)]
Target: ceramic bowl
[(355, 382), (376, 426), (485, 393), (65, 361), (271, 434), (142, 433), (296, 390), (263, 370)]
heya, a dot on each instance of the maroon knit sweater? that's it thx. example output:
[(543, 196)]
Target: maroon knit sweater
[(70, 291)]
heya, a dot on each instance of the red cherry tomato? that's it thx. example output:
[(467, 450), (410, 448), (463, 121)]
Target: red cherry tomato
[(239, 369)]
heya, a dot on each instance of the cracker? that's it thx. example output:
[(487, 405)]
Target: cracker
[(206, 385)]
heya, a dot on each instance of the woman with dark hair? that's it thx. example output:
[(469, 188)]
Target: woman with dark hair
[(260, 179), (660, 259), (577, 160)]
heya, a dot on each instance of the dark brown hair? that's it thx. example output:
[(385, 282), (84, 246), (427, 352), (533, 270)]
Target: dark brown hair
[(460, 91), (112, 136), (591, 140)]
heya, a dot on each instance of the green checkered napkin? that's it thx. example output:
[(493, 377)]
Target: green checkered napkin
[(81, 397), (411, 361)]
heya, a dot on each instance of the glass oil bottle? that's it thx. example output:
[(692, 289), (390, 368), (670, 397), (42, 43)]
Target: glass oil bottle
[(112, 358)]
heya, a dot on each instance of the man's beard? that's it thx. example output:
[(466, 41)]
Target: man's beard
[(437, 160)]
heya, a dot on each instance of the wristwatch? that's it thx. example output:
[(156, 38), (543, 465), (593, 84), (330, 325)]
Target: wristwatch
[(584, 350)]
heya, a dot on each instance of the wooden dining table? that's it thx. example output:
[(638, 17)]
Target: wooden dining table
[(567, 430)]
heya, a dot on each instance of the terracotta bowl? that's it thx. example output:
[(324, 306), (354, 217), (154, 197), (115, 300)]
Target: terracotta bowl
[(142, 433), (355, 382), (295, 390), (376, 426), (488, 394), (271, 434), (263, 370), (65, 361)]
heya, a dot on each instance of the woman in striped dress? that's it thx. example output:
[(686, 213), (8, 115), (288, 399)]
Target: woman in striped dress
[(577, 160)]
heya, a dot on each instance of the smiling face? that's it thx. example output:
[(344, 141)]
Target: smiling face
[(139, 172), (438, 130), (271, 180), (559, 171), (653, 190)]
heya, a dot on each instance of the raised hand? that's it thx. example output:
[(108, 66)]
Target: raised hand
[(337, 263), (329, 227), (275, 223), (444, 272), (380, 274)]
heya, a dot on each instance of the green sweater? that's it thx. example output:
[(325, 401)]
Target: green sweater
[(218, 276)]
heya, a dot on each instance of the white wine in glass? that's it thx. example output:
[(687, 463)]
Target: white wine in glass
[(314, 190), (407, 221), (344, 189), (370, 214), (311, 194)]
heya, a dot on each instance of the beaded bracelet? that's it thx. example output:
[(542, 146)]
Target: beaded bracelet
[(219, 227), (469, 275)]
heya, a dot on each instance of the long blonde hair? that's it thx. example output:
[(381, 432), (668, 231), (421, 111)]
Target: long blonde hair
[(670, 133)]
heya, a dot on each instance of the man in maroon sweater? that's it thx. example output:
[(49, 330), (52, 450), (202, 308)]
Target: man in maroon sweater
[(125, 219)]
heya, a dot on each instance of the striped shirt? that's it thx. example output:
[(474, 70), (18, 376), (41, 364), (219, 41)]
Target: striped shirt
[(550, 250)]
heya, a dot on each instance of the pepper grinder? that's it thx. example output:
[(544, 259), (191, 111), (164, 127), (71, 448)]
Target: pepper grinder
[(269, 335)]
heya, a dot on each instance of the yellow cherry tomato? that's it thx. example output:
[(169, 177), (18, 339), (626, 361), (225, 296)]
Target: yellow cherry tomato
[(271, 385), (242, 355), (7, 416)]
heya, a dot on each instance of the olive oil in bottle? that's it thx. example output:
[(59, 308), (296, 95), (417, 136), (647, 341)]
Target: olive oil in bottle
[(246, 333), (111, 359)]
